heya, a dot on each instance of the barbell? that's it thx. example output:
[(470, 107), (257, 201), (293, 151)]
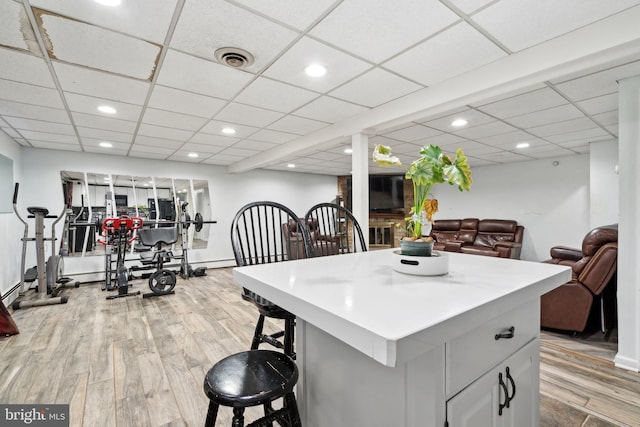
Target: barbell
[(198, 222)]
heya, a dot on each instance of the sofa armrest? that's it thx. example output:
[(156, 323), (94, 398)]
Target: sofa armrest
[(453, 245), (508, 249), (566, 253)]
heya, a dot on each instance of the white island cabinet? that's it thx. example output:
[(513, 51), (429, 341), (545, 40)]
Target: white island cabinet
[(381, 348)]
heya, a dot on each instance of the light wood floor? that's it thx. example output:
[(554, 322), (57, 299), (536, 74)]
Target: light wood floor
[(141, 362)]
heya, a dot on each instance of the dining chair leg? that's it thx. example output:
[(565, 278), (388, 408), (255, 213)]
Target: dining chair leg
[(257, 335), (238, 417), (289, 331), (290, 403)]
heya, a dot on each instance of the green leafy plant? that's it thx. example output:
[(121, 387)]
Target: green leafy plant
[(432, 167)]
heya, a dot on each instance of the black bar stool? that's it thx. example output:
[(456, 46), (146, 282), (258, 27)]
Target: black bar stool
[(251, 378)]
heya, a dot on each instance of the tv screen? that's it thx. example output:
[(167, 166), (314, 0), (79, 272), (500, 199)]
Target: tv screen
[(386, 193), (121, 200)]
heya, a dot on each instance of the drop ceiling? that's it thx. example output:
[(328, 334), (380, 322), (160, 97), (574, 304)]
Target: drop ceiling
[(536, 71)]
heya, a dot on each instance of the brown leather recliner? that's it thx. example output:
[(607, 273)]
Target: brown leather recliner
[(570, 306), (322, 245)]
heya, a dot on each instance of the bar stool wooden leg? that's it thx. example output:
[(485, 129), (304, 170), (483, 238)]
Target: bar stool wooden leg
[(238, 417), (212, 415)]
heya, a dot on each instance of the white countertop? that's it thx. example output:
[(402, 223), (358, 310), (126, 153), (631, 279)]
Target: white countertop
[(390, 316)]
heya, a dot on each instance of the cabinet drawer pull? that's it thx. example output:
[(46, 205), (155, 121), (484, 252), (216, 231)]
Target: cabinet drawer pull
[(509, 333)]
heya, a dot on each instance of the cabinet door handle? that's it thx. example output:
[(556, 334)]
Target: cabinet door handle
[(509, 333), (503, 386), (513, 387)]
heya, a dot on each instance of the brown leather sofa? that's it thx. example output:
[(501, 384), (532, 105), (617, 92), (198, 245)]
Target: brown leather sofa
[(322, 245), (591, 293), (488, 237)]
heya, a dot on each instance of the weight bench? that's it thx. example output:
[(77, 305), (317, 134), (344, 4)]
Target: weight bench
[(156, 237)]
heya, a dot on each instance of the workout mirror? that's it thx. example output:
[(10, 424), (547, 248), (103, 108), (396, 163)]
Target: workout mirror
[(92, 197), (6, 184)]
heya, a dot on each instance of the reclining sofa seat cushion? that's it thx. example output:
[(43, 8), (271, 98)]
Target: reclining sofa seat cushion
[(444, 230), (498, 238)]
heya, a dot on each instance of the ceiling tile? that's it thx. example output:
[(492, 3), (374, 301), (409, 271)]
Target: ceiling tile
[(39, 125), (267, 135), (162, 152), (598, 84), (329, 110), (214, 140), (551, 115), (340, 66), (106, 123), (150, 141), (164, 132), (267, 93), (53, 145), (88, 148), (207, 25), (204, 76), (563, 127), (203, 148), (443, 140), (12, 133), (291, 12), (387, 86), (600, 104), (29, 94), (385, 29), (412, 133), (593, 134), (169, 99), (487, 129), (508, 140), (458, 49), (254, 145), (172, 120), (91, 144), (503, 157), (16, 109), (147, 19), (525, 23), (25, 68), (102, 85), (606, 119), (89, 105), (469, 6), (558, 152), (33, 136), (247, 115), (104, 135), (15, 30), (100, 49), (240, 152), (183, 156), (529, 102), (297, 125)]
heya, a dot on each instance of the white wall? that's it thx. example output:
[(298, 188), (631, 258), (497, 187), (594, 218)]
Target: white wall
[(41, 186), (10, 228), (603, 183), (551, 202)]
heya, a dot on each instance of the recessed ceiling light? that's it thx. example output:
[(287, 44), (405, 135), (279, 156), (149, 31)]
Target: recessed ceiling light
[(111, 3), (315, 70), (193, 155), (348, 150), (291, 165), (228, 131), (105, 144), (107, 110), (145, 185), (458, 122), (522, 145)]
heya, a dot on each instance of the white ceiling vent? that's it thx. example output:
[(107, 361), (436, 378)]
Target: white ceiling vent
[(234, 57)]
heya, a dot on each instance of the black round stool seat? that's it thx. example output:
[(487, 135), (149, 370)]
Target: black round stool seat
[(251, 378)]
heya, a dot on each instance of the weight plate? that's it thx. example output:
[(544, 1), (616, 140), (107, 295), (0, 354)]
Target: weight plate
[(198, 222), (162, 282)]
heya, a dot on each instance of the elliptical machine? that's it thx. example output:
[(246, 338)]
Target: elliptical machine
[(45, 287)]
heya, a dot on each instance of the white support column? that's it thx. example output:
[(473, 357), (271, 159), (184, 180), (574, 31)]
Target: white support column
[(628, 356), (360, 181)]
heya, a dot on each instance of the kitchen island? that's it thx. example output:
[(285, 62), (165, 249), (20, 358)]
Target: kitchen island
[(380, 348)]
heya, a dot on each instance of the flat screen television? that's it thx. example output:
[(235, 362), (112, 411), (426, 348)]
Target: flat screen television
[(386, 193), (121, 200)]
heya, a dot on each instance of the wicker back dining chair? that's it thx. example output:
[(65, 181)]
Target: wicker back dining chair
[(257, 238), (336, 230)]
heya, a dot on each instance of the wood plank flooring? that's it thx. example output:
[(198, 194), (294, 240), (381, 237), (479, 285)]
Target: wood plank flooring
[(141, 362)]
